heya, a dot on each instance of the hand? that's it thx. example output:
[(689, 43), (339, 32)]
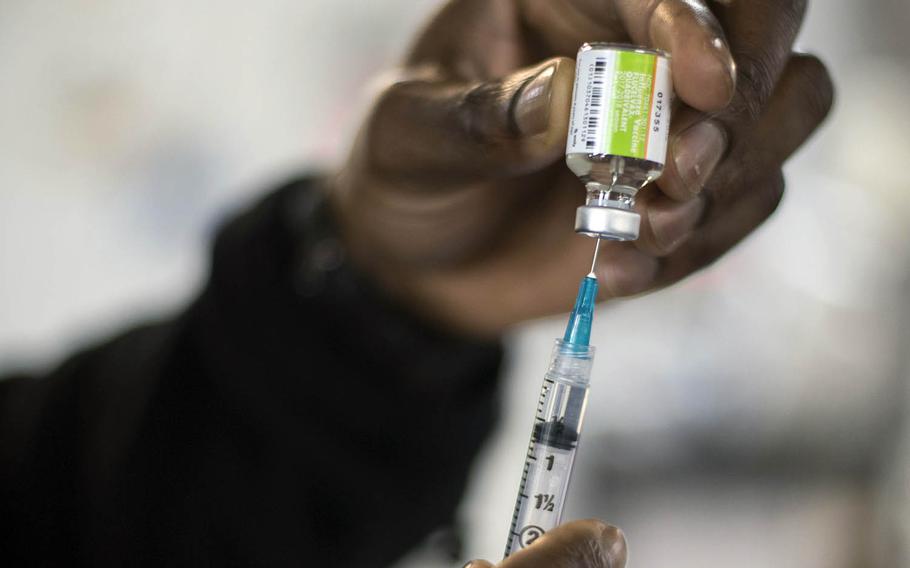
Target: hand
[(579, 544), (456, 196)]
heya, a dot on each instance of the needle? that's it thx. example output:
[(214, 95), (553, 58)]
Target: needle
[(594, 260)]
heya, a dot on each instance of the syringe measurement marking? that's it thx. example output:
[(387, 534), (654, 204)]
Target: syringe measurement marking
[(522, 496), (544, 503)]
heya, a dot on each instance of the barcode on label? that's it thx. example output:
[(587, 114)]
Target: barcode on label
[(597, 97)]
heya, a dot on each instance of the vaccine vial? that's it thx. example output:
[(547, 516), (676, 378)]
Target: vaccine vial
[(618, 133)]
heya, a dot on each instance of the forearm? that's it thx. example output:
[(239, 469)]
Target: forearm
[(253, 419)]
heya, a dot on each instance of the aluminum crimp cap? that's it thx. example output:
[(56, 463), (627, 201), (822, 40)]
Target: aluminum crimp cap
[(607, 222)]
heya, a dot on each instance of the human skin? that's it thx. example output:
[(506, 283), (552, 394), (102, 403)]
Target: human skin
[(579, 544), (456, 199)]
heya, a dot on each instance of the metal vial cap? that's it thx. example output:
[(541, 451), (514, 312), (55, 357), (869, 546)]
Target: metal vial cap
[(607, 223)]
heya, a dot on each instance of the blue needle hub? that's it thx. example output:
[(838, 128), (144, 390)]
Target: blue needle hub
[(578, 331)]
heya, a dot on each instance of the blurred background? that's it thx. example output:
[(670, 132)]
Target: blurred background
[(755, 415)]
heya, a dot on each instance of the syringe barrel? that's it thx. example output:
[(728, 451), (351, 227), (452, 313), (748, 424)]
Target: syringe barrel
[(554, 440), (571, 363)]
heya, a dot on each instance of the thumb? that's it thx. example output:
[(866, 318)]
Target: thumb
[(579, 544), (466, 131)]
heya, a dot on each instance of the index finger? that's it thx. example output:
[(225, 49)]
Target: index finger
[(761, 35)]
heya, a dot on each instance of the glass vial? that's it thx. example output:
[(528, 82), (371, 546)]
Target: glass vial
[(618, 133)]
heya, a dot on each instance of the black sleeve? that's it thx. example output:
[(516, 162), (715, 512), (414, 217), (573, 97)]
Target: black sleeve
[(289, 417)]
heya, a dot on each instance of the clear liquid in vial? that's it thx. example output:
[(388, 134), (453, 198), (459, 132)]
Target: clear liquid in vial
[(612, 180)]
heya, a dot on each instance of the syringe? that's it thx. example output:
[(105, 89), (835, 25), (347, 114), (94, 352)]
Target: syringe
[(557, 426)]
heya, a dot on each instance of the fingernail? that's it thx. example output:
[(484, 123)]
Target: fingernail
[(696, 151), (613, 542), (468, 564), (728, 65), (532, 109), (672, 224)]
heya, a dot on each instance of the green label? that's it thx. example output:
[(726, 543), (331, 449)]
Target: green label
[(633, 81)]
